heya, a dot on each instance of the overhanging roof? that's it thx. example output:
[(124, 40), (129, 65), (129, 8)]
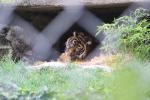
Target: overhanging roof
[(59, 4)]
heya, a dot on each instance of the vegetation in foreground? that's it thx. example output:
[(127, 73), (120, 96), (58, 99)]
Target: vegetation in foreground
[(17, 82), (129, 81), (129, 34)]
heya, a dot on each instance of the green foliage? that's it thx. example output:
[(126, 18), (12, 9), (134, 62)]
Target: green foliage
[(6, 1), (130, 81), (137, 40), (129, 34), (49, 83)]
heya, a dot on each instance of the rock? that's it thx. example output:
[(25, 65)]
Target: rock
[(57, 64), (20, 49)]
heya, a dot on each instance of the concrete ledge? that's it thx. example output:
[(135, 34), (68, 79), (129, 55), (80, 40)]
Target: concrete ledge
[(66, 2), (59, 4)]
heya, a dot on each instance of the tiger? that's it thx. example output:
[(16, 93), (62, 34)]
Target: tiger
[(77, 46)]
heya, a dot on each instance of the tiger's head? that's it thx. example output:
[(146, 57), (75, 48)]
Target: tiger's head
[(78, 46)]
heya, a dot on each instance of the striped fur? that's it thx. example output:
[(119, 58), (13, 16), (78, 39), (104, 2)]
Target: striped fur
[(79, 44)]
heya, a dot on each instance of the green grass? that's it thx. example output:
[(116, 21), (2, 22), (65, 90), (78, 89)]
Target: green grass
[(62, 83), (7, 1), (129, 81)]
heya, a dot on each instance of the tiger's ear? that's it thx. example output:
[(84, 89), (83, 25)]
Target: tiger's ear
[(81, 34)]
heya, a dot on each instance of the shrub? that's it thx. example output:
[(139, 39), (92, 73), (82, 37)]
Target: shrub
[(128, 33)]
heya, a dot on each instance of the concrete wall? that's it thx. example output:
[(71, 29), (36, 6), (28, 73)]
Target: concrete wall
[(59, 4)]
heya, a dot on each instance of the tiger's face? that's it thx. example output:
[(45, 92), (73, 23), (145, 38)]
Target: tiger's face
[(78, 46)]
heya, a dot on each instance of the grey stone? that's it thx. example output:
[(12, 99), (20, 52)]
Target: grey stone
[(59, 4)]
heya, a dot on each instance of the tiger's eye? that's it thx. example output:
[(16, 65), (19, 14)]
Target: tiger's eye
[(75, 42)]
